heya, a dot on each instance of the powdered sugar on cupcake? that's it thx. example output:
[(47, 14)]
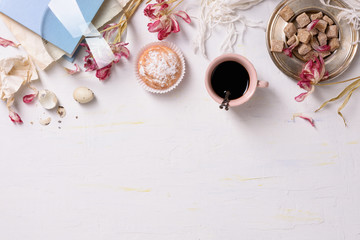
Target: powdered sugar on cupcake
[(159, 67)]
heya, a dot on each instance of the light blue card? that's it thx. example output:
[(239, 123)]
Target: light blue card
[(36, 16)]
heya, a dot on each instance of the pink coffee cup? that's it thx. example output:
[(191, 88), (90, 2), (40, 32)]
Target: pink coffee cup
[(253, 81)]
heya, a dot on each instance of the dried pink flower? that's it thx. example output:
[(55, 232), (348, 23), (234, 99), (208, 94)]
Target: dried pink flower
[(103, 73), (163, 18), (312, 73), (119, 50)]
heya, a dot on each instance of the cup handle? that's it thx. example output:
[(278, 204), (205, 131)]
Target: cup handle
[(262, 84)]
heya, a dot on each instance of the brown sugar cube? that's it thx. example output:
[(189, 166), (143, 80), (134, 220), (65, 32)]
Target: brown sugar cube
[(332, 31), (277, 45), (303, 20), (324, 54), (321, 25), (304, 49), (310, 55), (316, 42), (315, 16), (322, 39), (304, 36), (314, 31), (334, 44), (290, 30), (286, 13), (291, 40), (329, 20)]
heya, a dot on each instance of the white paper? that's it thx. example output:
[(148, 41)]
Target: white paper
[(14, 72)]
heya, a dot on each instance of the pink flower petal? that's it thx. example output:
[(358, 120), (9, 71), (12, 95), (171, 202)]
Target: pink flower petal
[(90, 65), (104, 73), (122, 50), (288, 51), (174, 25), (76, 70), (312, 25), (303, 116), (29, 98), (318, 48), (301, 97), (149, 11), (305, 84), (326, 75), (107, 34), (155, 26), (125, 52), (4, 42), (183, 15), (322, 48), (164, 33), (85, 45), (15, 117)]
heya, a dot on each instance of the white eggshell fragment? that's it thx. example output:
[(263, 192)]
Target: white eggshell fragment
[(83, 95), (45, 121), (61, 111), (47, 99)]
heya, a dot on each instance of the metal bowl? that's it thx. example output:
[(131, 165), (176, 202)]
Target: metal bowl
[(337, 62)]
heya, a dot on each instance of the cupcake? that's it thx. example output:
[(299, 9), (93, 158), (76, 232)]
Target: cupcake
[(160, 67)]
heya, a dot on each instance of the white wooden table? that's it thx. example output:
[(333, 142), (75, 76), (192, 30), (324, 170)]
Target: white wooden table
[(134, 165)]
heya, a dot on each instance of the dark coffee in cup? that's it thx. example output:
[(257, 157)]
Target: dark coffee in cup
[(231, 77)]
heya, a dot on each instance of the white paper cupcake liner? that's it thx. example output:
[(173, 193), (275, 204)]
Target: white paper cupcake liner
[(166, 44)]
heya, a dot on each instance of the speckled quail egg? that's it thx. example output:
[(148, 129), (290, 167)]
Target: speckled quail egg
[(83, 95)]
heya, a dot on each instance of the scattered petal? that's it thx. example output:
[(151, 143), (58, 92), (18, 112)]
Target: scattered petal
[(324, 48), (4, 42), (15, 117), (29, 98), (318, 48), (312, 25), (73, 71), (303, 116), (288, 51)]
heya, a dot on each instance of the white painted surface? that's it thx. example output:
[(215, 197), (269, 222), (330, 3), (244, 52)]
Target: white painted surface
[(140, 166)]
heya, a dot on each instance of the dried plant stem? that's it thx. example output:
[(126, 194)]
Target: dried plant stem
[(127, 13), (177, 4), (348, 91), (169, 2), (333, 83)]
